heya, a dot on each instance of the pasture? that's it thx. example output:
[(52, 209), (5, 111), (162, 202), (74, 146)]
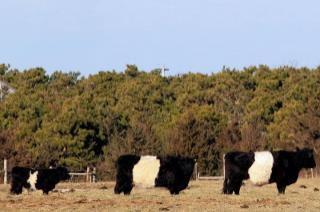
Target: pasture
[(200, 196)]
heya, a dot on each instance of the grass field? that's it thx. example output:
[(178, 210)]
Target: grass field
[(200, 196)]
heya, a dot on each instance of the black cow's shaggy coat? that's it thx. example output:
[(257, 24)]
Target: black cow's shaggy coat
[(41, 179), (174, 173), (284, 171)]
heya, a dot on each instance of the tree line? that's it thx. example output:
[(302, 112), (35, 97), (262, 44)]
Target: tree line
[(65, 119)]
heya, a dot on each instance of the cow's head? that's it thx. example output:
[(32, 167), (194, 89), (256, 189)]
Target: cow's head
[(307, 158), (63, 173)]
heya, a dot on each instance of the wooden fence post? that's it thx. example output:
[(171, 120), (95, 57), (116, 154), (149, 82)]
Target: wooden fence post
[(88, 170), (5, 169), (224, 168), (196, 170), (94, 175)]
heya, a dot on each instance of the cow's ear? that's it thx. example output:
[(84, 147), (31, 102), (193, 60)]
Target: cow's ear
[(297, 149)]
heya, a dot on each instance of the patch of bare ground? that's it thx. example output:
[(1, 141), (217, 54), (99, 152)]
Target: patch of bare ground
[(200, 196)]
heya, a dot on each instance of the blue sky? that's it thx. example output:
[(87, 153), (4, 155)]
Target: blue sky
[(184, 35)]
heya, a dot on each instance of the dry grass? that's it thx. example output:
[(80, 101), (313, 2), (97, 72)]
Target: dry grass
[(200, 196)]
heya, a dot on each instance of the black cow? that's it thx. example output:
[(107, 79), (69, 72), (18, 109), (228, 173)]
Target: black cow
[(171, 172), (41, 179), (280, 167)]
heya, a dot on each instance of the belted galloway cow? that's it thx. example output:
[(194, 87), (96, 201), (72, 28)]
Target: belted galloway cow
[(280, 167), (36, 179), (172, 172)]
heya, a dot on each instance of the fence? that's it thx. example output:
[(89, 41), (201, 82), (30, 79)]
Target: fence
[(90, 176), (199, 177)]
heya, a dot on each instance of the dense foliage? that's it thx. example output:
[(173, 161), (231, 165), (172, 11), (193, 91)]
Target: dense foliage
[(65, 119)]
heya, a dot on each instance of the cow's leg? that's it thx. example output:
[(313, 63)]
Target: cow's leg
[(16, 188), (127, 189), (173, 191), (236, 186), (173, 188), (47, 188), (231, 185), (178, 186), (176, 192), (227, 187), (117, 188), (124, 182), (124, 187), (281, 188)]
